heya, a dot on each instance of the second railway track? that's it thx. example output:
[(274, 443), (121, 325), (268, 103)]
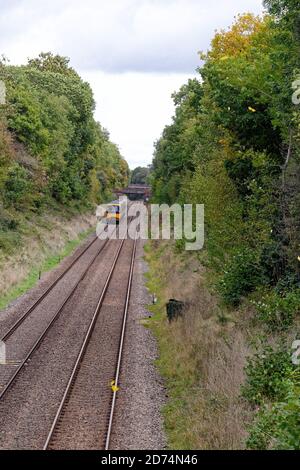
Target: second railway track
[(21, 363), (18, 360), (39, 388), (84, 417), (10, 331)]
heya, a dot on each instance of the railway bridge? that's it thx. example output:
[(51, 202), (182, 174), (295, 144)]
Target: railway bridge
[(135, 192)]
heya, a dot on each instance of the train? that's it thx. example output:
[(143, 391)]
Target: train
[(115, 211)]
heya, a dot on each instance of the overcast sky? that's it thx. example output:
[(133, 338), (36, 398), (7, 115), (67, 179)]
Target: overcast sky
[(134, 53)]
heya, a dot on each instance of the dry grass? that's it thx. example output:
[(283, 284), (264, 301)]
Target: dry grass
[(202, 357), (44, 241)]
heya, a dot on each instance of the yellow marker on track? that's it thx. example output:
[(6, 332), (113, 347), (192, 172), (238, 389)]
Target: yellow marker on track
[(113, 386)]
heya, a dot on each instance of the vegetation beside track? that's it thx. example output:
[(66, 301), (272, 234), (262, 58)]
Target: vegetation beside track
[(56, 164), (202, 373), (234, 146), (52, 238), (56, 161), (230, 384)]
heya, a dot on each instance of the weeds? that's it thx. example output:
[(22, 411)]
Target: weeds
[(242, 275), (43, 252), (278, 311), (265, 374), (201, 359)]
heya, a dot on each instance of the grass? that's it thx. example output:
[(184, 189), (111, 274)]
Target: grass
[(8, 241), (49, 263), (201, 357), (180, 379)]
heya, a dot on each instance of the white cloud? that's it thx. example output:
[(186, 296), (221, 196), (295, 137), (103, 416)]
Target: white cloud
[(119, 35), (134, 107), (134, 53)]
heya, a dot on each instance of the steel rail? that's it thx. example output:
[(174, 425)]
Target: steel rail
[(83, 349), (121, 347), (16, 325), (55, 317)]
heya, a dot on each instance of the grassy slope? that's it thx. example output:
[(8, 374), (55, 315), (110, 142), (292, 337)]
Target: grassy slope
[(202, 356), (46, 265), (36, 243)]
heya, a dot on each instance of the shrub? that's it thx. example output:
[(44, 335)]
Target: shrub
[(278, 311), (16, 185), (25, 119), (9, 241), (241, 275), (291, 281), (60, 189), (265, 374), (7, 224), (261, 431), (277, 427)]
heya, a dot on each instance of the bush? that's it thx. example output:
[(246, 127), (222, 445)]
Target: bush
[(9, 241), (25, 119), (261, 431), (241, 276), (7, 224), (265, 374), (60, 190), (16, 185), (278, 311), (277, 427), (290, 282)]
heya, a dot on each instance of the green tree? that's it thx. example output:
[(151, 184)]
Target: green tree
[(140, 175)]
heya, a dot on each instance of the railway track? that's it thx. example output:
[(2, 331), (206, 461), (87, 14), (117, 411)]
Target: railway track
[(26, 314), (22, 363), (97, 359), (79, 403), (120, 351), (8, 335)]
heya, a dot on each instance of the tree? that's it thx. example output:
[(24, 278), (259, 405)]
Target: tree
[(49, 112), (46, 61), (229, 141), (140, 175)]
